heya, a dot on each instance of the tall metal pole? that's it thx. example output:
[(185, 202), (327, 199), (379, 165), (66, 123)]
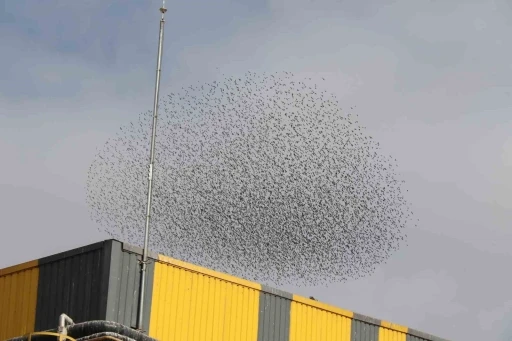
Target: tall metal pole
[(150, 176)]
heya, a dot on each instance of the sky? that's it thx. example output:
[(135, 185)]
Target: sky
[(432, 82)]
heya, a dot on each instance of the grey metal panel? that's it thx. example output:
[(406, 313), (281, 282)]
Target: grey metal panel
[(105, 268), (277, 292), (114, 282), (410, 337), (364, 331), (415, 335), (123, 289), (137, 250), (72, 282), (435, 338), (149, 294), (274, 316), (367, 319)]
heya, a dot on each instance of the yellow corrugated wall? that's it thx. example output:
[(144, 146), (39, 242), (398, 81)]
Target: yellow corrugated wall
[(312, 320), (392, 332), (18, 299), (194, 303)]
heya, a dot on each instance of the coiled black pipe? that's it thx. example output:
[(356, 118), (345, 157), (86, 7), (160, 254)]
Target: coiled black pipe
[(93, 329)]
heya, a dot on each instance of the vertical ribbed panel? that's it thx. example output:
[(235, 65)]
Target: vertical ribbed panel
[(415, 335), (391, 335), (274, 315), (364, 330), (310, 321), (415, 338), (123, 291), (194, 305), (392, 332), (72, 283), (183, 301), (18, 298)]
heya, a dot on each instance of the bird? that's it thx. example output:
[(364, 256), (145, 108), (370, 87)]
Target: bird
[(259, 175)]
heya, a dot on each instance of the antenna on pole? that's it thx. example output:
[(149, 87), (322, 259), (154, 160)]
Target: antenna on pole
[(150, 175)]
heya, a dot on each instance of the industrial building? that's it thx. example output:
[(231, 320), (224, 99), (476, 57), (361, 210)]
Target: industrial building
[(100, 282)]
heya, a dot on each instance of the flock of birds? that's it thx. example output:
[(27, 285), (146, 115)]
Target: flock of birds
[(260, 176)]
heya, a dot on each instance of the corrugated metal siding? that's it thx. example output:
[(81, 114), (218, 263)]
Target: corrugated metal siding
[(274, 315), (392, 332), (312, 320), (414, 338), (18, 297), (193, 303), (101, 281), (123, 287), (365, 328), (415, 335), (72, 282), (98, 281)]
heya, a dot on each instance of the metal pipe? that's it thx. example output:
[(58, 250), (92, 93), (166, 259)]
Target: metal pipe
[(58, 335), (63, 318), (104, 337), (150, 176), (62, 330)]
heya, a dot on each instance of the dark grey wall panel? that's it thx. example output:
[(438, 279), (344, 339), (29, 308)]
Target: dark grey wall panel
[(73, 283), (414, 335), (410, 337), (123, 288), (274, 315), (364, 328)]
